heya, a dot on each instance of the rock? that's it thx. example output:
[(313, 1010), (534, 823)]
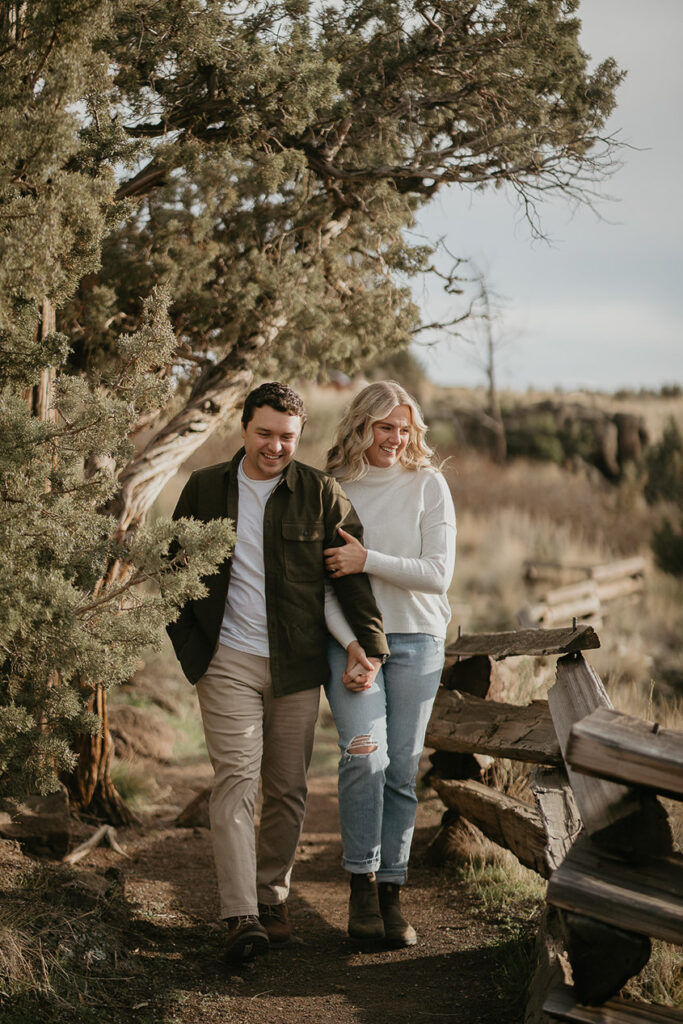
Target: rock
[(41, 824), (142, 732), (196, 813)]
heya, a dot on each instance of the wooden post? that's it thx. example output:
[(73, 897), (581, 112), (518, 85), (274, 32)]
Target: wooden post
[(615, 816)]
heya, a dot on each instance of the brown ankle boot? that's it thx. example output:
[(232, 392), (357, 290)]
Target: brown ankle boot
[(397, 931), (365, 919)]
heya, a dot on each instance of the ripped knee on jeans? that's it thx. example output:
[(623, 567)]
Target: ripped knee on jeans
[(361, 745)]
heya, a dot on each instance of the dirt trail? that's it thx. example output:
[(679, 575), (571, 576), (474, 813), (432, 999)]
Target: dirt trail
[(173, 964)]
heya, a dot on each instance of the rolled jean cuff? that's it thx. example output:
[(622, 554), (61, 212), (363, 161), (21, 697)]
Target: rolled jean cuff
[(360, 867), (392, 875)]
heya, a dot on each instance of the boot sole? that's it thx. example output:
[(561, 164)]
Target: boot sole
[(246, 947), (400, 943)]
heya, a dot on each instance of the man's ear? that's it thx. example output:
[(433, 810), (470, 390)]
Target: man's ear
[(242, 429)]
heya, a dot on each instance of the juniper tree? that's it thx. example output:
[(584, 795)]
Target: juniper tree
[(65, 629), (265, 162)]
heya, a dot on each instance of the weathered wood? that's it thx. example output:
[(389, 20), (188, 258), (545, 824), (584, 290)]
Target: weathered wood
[(602, 957), (526, 641), (616, 746), (105, 832), (614, 570), (549, 616), (645, 898), (471, 725), (572, 592), (468, 675), (559, 813), (615, 816), (552, 968), (610, 590), (510, 823), (562, 1004)]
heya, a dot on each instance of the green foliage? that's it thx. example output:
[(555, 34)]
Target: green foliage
[(536, 437), (264, 165), (664, 467), (667, 547), (62, 630)]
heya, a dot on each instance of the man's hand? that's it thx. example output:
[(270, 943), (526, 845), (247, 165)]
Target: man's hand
[(360, 670), (345, 560)]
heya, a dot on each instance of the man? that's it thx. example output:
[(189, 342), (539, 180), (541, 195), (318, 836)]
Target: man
[(255, 646)]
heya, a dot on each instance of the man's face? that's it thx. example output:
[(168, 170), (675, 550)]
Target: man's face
[(270, 442)]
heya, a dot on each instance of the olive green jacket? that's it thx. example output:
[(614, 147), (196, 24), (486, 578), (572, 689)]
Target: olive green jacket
[(300, 519)]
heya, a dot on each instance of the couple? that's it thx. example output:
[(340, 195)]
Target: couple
[(258, 647)]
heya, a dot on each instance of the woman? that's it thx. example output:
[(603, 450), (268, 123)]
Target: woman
[(381, 710)]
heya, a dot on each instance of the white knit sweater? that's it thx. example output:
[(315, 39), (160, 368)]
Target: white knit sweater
[(409, 532)]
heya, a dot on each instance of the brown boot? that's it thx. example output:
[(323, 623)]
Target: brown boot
[(365, 920), (275, 919), (397, 931), (246, 938)]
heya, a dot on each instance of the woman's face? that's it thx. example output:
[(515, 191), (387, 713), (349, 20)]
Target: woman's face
[(390, 435)]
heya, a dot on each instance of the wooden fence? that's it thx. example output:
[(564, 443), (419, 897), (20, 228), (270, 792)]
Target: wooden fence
[(585, 597), (598, 831)]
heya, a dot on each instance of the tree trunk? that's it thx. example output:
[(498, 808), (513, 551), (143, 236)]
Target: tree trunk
[(218, 393), (90, 785)]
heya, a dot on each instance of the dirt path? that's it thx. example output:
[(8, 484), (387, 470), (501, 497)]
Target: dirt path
[(171, 955)]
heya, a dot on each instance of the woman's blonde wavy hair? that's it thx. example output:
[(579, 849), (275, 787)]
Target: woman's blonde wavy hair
[(346, 459)]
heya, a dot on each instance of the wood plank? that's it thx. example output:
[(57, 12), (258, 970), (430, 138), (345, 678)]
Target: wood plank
[(588, 607), (603, 958), (623, 748), (510, 823), (560, 816), (526, 641), (563, 1005), (645, 898), (615, 570), (552, 969), (572, 592), (610, 590), (613, 814), (471, 725)]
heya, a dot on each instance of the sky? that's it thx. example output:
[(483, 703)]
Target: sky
[(601, 306)]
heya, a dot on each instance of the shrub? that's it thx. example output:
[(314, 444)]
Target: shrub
[(664, 466), (667, 547)]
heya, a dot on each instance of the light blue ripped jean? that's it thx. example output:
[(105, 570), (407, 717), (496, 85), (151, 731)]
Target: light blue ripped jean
[(377, 801)]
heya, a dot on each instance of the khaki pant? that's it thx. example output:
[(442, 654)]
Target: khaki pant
[(250, 732)]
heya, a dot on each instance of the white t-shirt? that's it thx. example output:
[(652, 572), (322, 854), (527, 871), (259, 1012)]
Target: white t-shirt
[(409, 532), (245, 626)]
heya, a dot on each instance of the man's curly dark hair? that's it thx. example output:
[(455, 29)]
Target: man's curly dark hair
[(278, 396)]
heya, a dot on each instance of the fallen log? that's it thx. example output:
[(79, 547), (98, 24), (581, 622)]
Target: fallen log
[(106, 832)]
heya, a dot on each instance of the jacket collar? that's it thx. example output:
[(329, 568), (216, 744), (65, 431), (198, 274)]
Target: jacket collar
[(289, 473)]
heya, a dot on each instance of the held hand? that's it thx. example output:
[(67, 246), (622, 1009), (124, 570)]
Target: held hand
[(360, 670), (345, 560)]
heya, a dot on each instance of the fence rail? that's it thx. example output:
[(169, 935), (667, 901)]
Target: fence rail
[(586, 598), (598, 831)]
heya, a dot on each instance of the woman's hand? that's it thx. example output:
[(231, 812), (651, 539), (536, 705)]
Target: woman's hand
[(347, 559), (360, 670)]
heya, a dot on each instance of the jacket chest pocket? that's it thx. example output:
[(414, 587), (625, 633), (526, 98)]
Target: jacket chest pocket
[(302, 545)]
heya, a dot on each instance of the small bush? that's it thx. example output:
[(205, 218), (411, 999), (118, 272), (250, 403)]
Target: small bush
[(667, 547), (536, 438), (665, 467)]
